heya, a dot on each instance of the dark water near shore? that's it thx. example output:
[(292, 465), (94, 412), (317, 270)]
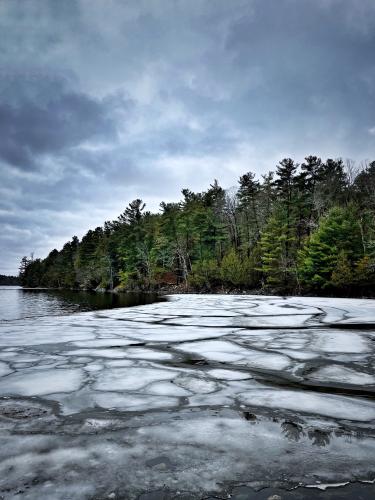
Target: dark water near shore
[(19, 303)]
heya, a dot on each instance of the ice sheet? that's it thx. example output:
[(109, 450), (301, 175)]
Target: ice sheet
[(337, 373), (131, 379), (41, 382), (192, 393), (340, 407), (4, 369)]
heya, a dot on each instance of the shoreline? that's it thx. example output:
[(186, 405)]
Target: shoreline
[(182, 290)]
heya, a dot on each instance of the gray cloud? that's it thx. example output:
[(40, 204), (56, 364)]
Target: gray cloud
[(50, 123), (102, 104)]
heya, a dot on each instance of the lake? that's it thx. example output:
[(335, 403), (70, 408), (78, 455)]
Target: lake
[(197, 396), (19, 303)]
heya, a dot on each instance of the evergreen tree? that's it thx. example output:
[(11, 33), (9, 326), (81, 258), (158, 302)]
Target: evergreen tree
[(311, 226), (286, 191), (338, 234), (248, 194), (277, 269)]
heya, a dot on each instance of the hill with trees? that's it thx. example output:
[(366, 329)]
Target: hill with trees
[(307, 228), (9, 280)]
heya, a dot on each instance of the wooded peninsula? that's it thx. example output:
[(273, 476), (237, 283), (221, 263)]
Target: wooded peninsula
[(305, 228)]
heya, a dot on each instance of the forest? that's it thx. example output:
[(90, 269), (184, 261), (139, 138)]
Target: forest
[(9, 280), (302, 228)]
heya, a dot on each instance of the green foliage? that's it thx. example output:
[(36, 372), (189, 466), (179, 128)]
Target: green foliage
[(277, 251), (364, 272), (236, 271), (308, 226), (342, 274), (271, 250), (231, 269), (204, 274), (337, 241)]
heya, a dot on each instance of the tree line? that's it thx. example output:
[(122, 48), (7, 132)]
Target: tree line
[(8, 280), (306, 227)]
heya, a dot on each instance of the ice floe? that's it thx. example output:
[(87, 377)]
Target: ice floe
[(190, 394), (340, 407), (41, 382), (130, 379), (337, 373)]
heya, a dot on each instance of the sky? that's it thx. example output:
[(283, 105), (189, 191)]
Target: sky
[(105, 101)]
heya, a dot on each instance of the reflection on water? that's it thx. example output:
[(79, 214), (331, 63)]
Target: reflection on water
[(319, 437), (292, 431), (295, 432), (19, 303)]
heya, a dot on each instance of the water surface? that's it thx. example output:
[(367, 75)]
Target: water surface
[(20, 303)]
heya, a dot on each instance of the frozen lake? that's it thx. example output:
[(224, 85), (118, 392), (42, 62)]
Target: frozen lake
[(197, 397)]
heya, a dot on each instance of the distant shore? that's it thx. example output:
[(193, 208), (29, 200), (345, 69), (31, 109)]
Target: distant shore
[(9, 280)]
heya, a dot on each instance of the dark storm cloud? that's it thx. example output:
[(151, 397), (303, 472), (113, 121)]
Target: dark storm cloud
[(51, 123), (103, 102)]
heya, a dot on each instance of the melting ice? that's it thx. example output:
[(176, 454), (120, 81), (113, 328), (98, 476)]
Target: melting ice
[(196, 394)]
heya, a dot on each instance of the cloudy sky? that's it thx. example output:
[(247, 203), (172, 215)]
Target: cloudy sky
[(104, 101)]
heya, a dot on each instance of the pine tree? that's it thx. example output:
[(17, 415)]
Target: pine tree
[(337, 232), (276, 267), (247, 194), (287, 189)]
